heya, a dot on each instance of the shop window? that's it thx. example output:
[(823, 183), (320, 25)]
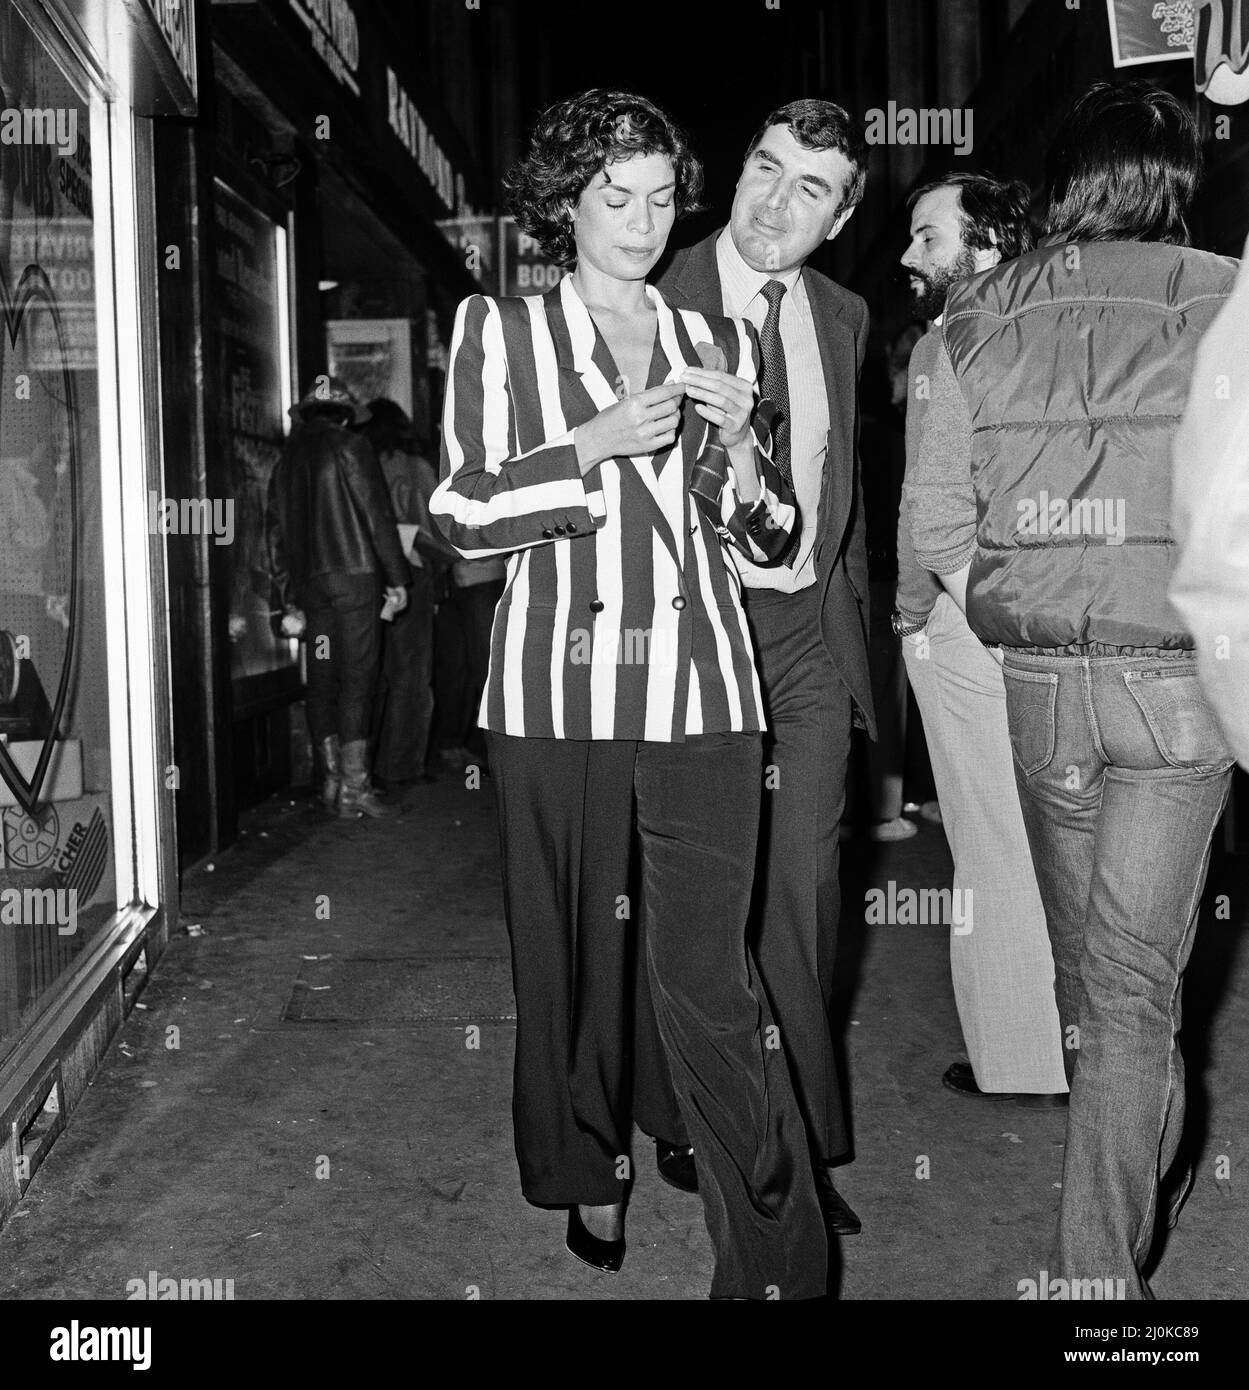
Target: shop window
[(58, 885), (253, 338)]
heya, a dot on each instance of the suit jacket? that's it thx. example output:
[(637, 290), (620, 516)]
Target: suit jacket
[(622, 615), (692, 280)]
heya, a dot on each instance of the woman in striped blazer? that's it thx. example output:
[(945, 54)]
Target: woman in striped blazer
[(602, 441)]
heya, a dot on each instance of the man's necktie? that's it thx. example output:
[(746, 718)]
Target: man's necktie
[(774, 384)]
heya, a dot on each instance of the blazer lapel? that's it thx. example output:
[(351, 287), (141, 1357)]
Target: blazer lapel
[(585, 354), (695, 281), (836, 343)]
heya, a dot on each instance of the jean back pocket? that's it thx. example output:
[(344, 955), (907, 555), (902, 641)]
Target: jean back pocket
[(1179, 716), (1030, 700)]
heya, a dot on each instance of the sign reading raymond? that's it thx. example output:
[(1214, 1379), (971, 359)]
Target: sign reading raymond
[(1150, 31)]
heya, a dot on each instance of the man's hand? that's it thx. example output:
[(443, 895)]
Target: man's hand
[(294, 622), (396, 597), (642, 424), (724, 399)]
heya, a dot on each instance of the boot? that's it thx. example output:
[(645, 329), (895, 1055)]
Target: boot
[(357, 796), (331, 770)]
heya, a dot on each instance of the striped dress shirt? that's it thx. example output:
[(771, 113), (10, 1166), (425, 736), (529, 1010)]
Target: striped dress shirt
[(622, 616)]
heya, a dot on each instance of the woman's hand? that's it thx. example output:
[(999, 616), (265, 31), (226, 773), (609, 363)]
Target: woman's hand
[(642, 424), (723, 399)]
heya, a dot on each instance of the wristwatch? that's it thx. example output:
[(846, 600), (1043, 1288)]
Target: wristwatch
[(902, 627)]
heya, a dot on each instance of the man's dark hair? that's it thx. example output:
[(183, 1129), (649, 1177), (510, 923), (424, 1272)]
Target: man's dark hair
[(572, 142), (388, 428), (1124, 166), (330, 411), (822, 125), (988, 206)]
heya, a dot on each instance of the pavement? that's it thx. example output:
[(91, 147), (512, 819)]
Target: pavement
[(312, 1097)]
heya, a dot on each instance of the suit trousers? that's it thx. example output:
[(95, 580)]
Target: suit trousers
[(797, 907), (567, 809), (462, 628), (1003, 967), (403, 706)]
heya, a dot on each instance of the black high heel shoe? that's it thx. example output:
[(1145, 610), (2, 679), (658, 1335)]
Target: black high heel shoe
[(607, 1255)]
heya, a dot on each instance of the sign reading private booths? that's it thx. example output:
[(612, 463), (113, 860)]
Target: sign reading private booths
[(524, 268)]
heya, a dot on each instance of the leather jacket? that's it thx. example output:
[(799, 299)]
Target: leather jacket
[(330, 512)]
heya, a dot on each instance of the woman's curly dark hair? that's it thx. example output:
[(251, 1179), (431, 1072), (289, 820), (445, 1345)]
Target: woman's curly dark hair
[(572, 142)]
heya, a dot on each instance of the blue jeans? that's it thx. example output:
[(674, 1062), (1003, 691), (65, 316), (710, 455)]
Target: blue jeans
[(1123, 774)]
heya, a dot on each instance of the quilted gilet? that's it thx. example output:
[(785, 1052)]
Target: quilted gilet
[(1076, 362)]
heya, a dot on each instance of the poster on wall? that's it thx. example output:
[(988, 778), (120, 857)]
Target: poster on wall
[(1150, 31), (251, 338), (373, 356)]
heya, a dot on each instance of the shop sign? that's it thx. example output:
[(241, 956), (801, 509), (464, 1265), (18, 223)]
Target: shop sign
[(64, 249), (332, 28), (1150, 31), (407, 123), (1222, 54), (176, 20), (524, 268), (474, 238)]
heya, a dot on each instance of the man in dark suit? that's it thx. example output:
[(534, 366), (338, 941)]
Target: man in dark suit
[(802, 178)]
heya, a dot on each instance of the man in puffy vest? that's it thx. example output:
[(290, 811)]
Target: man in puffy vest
[(1047, 516)]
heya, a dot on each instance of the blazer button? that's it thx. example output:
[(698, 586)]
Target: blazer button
[(678, 603), (559, 530), (548, 534), (597, 605), (572, 529)]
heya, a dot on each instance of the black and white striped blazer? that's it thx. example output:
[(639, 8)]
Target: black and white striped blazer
[(622, 616)]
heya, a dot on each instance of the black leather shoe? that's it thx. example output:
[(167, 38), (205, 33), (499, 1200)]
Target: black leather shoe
[(676, 1166), (959, 1078), (839, 1216), (607, 1255)]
